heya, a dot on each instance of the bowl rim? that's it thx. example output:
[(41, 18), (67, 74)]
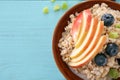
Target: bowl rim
[(55, 31)]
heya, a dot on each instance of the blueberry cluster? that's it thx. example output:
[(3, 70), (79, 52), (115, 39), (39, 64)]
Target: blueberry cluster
[(112, 49)]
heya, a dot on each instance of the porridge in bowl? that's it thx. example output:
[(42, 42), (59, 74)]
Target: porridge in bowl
[(90, 44)]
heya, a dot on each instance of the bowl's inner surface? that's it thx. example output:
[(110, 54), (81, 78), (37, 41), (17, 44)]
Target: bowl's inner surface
[(60, 28)]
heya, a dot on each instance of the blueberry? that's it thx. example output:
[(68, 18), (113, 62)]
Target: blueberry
[(100, 59), (118, 60), (112, 49), (108, 19)]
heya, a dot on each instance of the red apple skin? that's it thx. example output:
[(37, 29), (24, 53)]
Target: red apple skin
[(77, 25), (87, 17), (85, 26)]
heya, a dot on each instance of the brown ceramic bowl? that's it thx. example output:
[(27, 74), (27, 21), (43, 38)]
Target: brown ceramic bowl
[(68, 74)]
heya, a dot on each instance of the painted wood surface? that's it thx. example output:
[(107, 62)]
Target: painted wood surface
[(25, 39)]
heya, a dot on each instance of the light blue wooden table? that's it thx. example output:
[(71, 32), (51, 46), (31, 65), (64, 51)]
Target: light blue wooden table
[(25, 40)]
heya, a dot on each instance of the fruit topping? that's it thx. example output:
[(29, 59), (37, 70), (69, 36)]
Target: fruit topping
[(112, 49), (91, 55), (113, 35), (117, 26), (53, 0), (87, 17), (45, 10), (87, 35), (89, 43), (108, 19), (113, 73), (100, 59), (76, 28), (64, 6), (56, 8), (81, 26)]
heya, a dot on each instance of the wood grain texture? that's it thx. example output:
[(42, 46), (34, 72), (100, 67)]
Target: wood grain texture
[(26, 40)]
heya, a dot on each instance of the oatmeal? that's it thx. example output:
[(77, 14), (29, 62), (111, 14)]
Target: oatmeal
[(90, 44)]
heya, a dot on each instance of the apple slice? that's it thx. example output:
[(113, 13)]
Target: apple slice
[(92, 44), (96, 34), (87, 16), (91, 55), (76, 28)]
